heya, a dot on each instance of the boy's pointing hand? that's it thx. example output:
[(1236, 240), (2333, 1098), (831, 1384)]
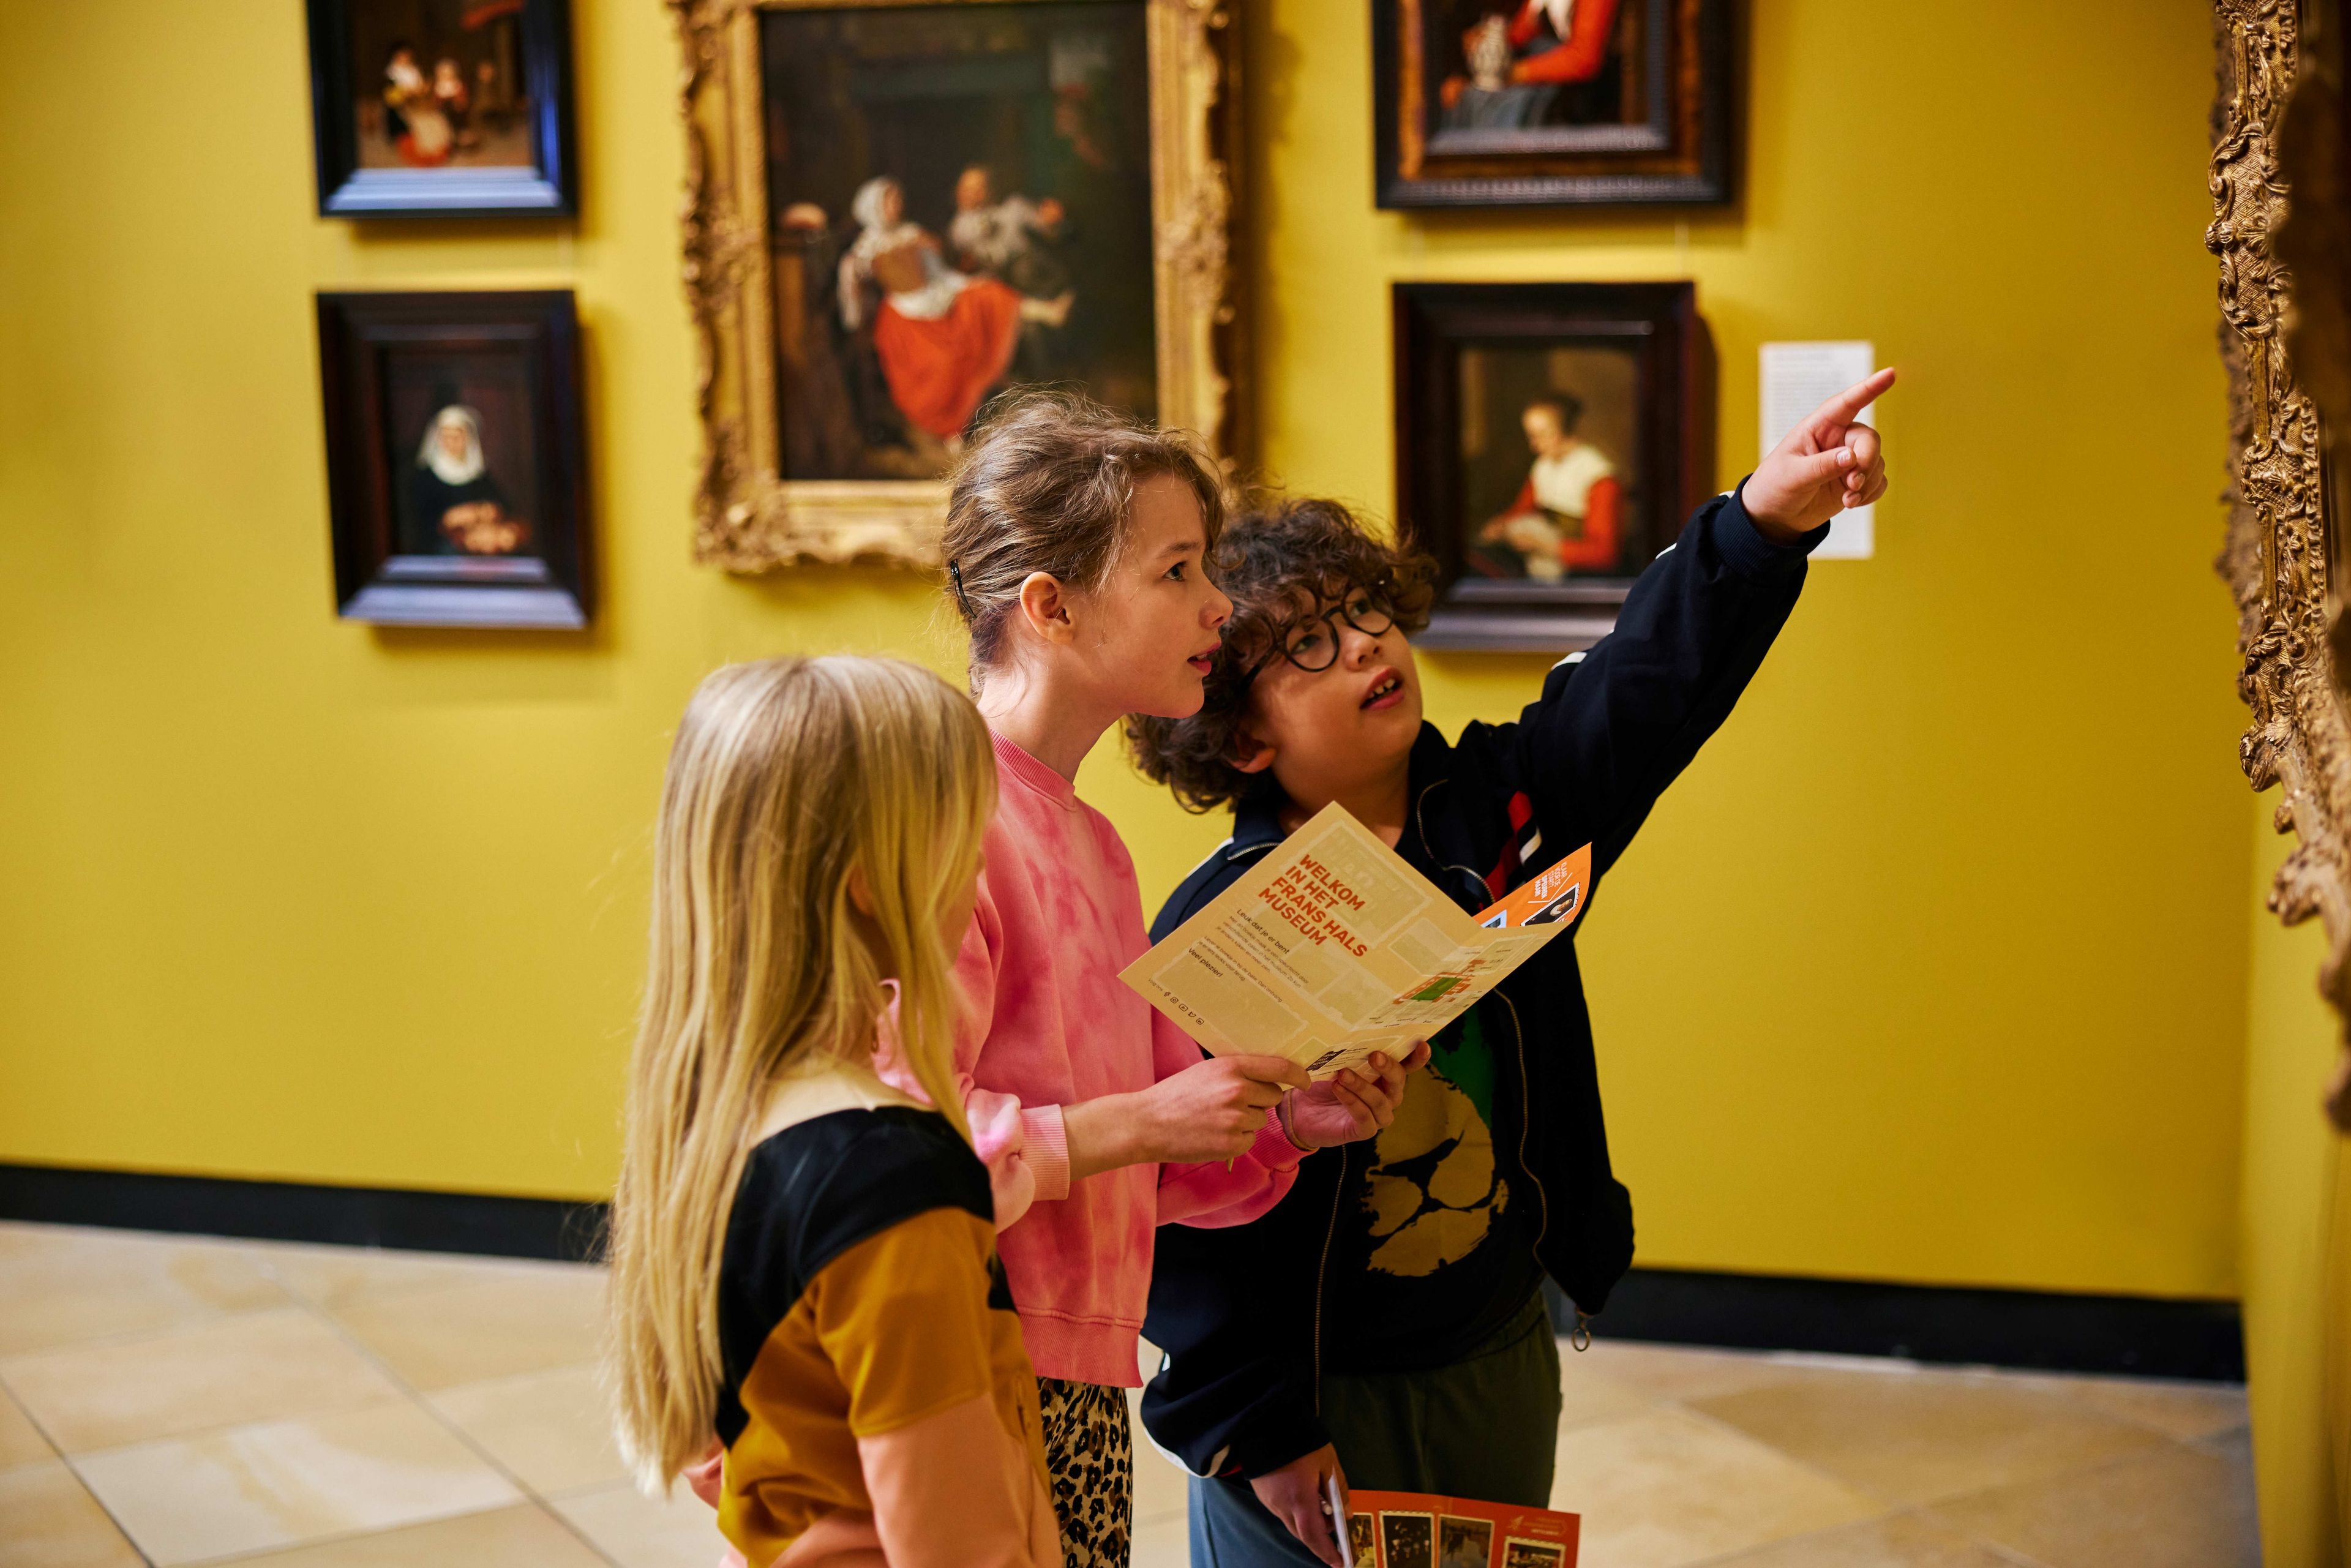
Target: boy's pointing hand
[(1825, 464)]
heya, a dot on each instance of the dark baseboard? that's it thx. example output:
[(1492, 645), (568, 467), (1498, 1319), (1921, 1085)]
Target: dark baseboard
[(2134, 1334), (296, 1211), (2140, 1336)]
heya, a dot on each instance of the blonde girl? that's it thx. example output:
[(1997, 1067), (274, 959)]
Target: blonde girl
[(803, 1256), (1076, 540)]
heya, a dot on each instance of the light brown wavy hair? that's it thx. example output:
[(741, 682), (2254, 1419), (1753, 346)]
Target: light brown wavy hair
[(1047, 484), (1279, 563)]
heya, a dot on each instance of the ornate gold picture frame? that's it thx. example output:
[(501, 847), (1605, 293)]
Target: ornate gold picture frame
[(2281, 126), (753, 513)]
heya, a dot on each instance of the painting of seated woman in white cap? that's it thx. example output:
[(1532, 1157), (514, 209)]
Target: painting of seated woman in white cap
[(455, 506)]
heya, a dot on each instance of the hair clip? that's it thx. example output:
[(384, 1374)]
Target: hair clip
[(961, 598)]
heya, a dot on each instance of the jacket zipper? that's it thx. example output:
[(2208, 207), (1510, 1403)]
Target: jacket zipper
[(1581, 1338), (1322, 1271), (1543, 1199)]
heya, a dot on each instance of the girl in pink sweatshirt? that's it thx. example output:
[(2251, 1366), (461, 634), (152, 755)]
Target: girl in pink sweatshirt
[(1075, 541)]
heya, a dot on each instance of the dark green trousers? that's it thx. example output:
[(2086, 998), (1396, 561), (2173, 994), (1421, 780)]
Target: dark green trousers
[(1486, 1426)]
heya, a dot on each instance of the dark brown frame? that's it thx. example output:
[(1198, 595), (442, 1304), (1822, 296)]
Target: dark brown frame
[(554, 588), (1433, 322), (1685, 153), (347, 190)]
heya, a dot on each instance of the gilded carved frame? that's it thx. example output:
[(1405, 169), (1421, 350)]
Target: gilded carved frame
[(747, 518), (2279, 125)]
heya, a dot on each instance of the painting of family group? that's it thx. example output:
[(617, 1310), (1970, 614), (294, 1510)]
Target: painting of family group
[(1549, 463), (960, 203), (441, 85), (1540, 63)]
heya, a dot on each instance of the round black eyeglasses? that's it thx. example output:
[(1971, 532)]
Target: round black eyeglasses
[(1313, 644)]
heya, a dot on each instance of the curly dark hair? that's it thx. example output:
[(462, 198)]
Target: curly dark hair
[(1281, 560)]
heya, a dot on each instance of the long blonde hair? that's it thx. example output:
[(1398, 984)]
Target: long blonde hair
[(786, 777)]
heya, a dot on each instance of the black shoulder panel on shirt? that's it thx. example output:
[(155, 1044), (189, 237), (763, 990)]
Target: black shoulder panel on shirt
[(813, 1191)]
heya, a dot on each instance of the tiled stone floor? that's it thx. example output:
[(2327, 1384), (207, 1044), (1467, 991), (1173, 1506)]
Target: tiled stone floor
[(174, 1401)]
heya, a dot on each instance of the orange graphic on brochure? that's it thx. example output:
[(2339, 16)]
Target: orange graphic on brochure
[(1555, 893)]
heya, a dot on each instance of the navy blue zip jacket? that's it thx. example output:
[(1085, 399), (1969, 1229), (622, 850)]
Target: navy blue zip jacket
[(1240, 1310)]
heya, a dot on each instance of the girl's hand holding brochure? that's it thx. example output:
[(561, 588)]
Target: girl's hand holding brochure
[(1214, 1110), (1210, 1112)]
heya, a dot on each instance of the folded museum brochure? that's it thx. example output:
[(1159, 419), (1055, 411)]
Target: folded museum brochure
[(1333, 947)]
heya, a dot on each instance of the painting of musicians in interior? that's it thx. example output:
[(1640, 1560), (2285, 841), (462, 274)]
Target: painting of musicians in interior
[(961, 201)]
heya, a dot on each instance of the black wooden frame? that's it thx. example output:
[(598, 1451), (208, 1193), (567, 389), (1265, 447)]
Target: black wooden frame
[(1686, 155), (346, 189), (551, 590), (1433, 323)]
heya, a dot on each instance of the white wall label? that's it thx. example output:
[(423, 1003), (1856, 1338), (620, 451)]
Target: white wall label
[(1797, 378)]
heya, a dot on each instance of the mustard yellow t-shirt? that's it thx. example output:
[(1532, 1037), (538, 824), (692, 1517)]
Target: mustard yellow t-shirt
[(860, 1293)]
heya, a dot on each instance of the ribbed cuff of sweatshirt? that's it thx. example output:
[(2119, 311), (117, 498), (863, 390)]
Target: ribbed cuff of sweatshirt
[(1273, 1149), (1045, 1146), (1743, 545)]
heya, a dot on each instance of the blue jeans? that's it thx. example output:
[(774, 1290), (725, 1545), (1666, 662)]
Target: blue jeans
[(1486, 1427)]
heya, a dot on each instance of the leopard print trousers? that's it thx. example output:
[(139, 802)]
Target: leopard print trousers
[(1090, 1455)]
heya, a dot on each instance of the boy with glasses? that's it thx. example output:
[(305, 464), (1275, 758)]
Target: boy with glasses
[(1383, 1326)]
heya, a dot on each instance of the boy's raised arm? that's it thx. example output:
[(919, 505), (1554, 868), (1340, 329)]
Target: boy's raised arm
[(1617, 723)]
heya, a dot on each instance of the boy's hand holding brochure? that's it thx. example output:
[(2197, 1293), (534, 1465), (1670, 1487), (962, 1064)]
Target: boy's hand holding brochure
[(1362, 1100)]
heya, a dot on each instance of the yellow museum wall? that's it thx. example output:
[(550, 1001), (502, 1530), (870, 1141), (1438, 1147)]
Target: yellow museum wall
[(1933, 968), (2296, 1219)]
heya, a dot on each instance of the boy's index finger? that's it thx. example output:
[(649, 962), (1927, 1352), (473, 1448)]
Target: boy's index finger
[(1842, 408)]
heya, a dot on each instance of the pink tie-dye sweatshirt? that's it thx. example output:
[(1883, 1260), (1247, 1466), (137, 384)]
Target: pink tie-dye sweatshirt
[(1049, 1024)]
